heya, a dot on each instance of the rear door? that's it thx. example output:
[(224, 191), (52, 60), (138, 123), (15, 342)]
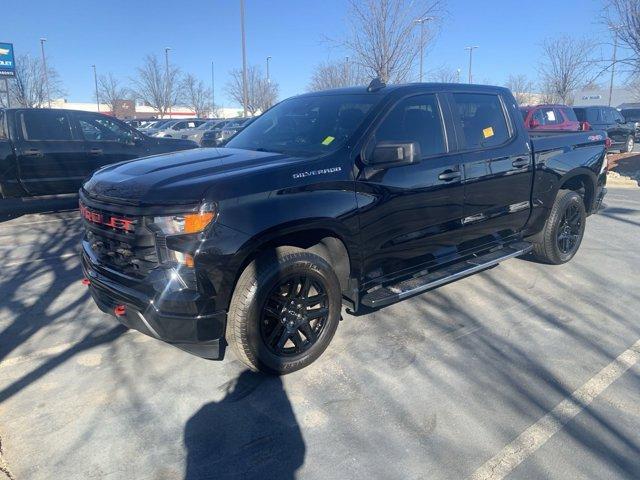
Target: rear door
[(107, 141), (50, 156), (497, 169), (410, 215)]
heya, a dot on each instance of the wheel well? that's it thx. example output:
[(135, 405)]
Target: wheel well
[(583, 185), (323, 243)]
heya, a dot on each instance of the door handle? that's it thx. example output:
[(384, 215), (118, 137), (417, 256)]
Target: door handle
[(520, 162), (33, 152), (95, 151), (449, 175)]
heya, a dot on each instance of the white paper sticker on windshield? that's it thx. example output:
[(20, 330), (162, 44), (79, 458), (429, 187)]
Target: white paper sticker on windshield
[(551, 115)]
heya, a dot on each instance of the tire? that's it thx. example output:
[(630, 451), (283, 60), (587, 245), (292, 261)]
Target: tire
[(266, 308), (629, 144), (560, 239)]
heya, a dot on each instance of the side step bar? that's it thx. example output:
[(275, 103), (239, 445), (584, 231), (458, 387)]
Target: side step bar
[(413, 286)]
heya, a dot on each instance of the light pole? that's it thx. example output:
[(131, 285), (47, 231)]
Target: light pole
[(421, 22), (44, 71), (245, 96), (613, 62), (213, 92), (167, 92), (347, 72), (95, 80), (458, 75), (471, 49), (268, 75)]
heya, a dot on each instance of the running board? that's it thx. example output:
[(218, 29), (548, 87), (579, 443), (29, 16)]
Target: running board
[(407, 288)]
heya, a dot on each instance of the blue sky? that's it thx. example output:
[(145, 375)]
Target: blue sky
[(116, 35)]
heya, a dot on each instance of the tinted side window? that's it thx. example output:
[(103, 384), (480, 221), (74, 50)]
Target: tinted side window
[(569, 115), (101, 128), (44, 124), (608, 115), (547, 116), (3, 126), (415, 119), (482, 119)]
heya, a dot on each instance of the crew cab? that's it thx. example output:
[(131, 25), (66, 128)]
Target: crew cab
[(359, 197), (45, 154)]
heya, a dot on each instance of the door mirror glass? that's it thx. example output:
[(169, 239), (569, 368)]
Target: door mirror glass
[(393, 154)]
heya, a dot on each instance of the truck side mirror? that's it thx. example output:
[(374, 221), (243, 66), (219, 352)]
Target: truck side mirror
[(394, 154)]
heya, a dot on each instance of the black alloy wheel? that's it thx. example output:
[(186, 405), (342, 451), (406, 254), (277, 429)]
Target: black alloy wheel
[(570, 229), (294, 314)]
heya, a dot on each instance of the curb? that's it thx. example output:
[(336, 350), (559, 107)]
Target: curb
[(614, 179)]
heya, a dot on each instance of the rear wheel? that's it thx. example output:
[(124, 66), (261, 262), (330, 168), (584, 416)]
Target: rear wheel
[(563, 231), (284, 311), (628, 147)]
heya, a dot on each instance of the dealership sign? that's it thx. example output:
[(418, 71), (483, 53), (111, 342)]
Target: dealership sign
[(7, 62)]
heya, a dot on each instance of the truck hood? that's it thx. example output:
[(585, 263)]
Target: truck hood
[(177, 178)]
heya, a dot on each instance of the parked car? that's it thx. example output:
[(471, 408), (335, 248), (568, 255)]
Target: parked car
[(550, 118), (220, 134), (175, 129), (197, 133), (361, 196), (154, 126), (632, 116), (45, 154), (610, 120)]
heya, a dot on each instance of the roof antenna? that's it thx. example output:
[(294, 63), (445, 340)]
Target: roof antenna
[(375, 85)]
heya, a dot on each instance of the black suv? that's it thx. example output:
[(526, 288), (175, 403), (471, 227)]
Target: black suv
[(632, 116), (610, 120)]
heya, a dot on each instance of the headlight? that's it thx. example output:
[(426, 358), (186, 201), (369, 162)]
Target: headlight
[(188, 222)]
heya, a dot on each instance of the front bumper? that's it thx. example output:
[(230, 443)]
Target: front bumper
[(179, 317)]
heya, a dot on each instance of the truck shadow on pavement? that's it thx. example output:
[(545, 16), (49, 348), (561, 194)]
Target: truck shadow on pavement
[(252, 433)]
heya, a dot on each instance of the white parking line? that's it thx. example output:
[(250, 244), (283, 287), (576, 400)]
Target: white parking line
[(537, 434)]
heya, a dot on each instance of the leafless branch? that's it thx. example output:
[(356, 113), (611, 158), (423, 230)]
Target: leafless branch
[(329, 75), (521, 87), (28, 87), (110, 91), (196, 96), (155, 86), (261, 93)]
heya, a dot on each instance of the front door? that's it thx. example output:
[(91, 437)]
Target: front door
[(410, 215), (50, 157), (497, 169)]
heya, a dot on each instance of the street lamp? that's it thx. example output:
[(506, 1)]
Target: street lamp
[(44, 71), (347, 69), (245, 95), (471, 49), (613, 28), (421, 22), (95, 79), (213, 92), (458, 76), (166, 78), (268, 76)]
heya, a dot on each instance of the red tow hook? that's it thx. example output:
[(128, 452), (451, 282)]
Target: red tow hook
[(120, 311), (86, 282)]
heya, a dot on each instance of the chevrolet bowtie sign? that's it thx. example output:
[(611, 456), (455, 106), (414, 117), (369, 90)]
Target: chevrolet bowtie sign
[(7, 62)]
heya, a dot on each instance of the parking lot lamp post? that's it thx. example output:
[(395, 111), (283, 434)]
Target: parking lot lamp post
[(268, 75), (167, 91), (458, 76), (471, 49), (613, 61), (245, 96), (421, 22), (44, 71), (213, 92), (95, 80)]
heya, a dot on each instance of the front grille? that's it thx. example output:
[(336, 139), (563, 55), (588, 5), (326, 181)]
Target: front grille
[(121, 242)]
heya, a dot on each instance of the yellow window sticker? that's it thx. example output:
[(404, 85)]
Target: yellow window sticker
[(487, 132), (328, 140)]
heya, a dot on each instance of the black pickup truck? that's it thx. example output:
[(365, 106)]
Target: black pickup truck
[(45, 154), (359, 196)]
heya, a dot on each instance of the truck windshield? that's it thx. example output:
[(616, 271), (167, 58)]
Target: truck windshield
[(306, 126)]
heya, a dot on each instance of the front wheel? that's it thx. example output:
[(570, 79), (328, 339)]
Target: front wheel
[(284, 311), (563, 231)]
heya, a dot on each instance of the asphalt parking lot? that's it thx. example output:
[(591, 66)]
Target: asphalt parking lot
[(523, 371)]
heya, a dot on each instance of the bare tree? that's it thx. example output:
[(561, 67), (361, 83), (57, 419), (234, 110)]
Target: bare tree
[(384, 38), (521, 87), (567, 64), (444, 74), (623, 17), (196, 96), (261, 93), (327, 75), (28, 87), (155, 86), (110, 91)]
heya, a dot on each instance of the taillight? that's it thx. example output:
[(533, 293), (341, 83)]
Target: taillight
[(584, 126), (608, 142)]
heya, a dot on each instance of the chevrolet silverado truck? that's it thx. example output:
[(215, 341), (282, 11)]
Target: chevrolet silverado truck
[(45, 154), (359, 197)]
